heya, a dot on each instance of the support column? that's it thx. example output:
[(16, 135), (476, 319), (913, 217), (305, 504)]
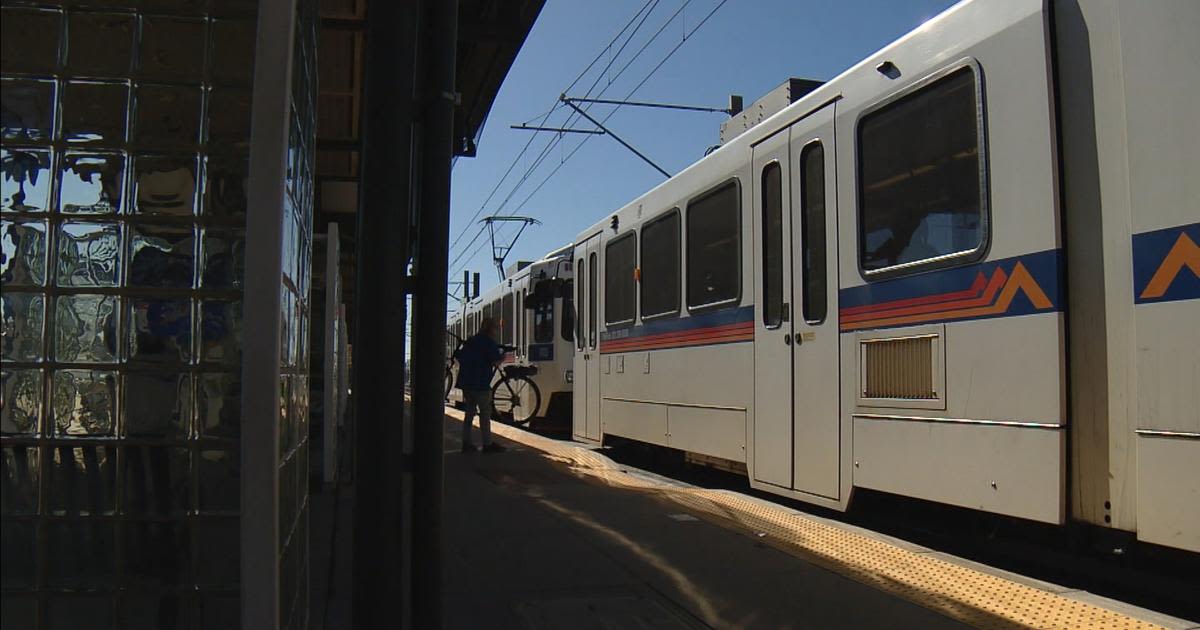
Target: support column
[(438, 96), (381, 559)]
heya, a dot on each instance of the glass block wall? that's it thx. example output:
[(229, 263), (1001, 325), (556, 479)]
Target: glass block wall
[(125, 138), (295, 322)]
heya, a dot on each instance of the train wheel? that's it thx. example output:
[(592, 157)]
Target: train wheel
[(516, 400)]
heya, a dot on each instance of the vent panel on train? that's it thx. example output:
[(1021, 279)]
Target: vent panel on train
[(901, 368)]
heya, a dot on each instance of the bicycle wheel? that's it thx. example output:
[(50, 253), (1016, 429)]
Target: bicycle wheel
[(516, 400)]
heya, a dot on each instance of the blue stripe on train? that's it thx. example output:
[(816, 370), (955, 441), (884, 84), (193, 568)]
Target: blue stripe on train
[(541, 352), (1171, 254), (720, 317)]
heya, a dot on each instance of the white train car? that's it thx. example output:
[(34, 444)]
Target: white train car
[(533, 306), (965, 270)]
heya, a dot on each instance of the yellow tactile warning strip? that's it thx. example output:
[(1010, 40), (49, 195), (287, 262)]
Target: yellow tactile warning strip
[(979, 599)]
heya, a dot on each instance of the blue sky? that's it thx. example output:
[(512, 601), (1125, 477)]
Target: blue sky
[(747, 47)]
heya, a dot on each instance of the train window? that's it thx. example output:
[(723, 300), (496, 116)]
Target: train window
[(543, 322), (660, 266), (519, 314), (812, 231), (568, 311), (507, 319), (922, 177), (593, 311), (579, 268), (620, 285), (714, 248), (772, 264)]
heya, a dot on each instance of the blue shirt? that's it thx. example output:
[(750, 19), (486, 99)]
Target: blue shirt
[(475, 360)]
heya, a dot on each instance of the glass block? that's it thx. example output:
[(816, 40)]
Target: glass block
[(26, 183), (29, 40), (18, 612), (233, 51), (81, 480), (167, 116), (18, 547), (224, 258), (28, 106), (23, 245), (79, 554), (158, 405), (157, 480), (220, 480), (172, 49), (217, 541), (85, 329), (160, 331), (225, 193), (285, 428), (162, 256), (89, 254), (218, 612), (100, 44), (19, 479), (221, 331), (91, 183), (94, 112), (219, 399), (21, 394), (157, 553), (229, 120), (148, 610), (165, 184), (84, 402), (72, 613), (21, 319)]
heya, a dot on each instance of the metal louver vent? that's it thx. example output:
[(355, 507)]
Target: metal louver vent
[(900, 368)]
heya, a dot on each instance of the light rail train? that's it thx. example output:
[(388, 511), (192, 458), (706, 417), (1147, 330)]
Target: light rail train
[(966, 270), (541, 334)]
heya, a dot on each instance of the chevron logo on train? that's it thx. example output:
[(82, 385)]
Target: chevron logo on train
[(1022, 285), (1166, 264)]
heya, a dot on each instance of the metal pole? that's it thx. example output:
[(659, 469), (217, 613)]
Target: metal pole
[(615, 136), (437, 95), (595, 132), (691, 108), (381, 559)]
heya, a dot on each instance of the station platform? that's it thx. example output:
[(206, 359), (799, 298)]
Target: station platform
[(554, 534)]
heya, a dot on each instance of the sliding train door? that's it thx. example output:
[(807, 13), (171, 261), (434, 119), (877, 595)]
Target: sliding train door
[(585, 423), (796, 367), (815, 343), (772, 429)]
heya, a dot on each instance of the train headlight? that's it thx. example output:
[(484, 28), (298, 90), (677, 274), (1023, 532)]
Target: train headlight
[(570, 376)]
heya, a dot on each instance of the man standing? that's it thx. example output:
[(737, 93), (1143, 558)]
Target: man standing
[(476, 358)]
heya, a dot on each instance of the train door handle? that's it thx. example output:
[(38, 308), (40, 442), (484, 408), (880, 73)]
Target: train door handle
[(787, 340)]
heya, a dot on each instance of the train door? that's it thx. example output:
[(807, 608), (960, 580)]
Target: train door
[(796, 369), (816, 368), (772, 430), (586, 421)]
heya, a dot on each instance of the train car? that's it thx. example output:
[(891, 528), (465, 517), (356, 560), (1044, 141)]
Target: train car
[(533, 306), (965, 270)]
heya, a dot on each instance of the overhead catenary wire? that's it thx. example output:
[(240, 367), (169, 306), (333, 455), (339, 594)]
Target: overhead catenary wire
[(559, 138), (572, 116), (610, 114), (649, 4)]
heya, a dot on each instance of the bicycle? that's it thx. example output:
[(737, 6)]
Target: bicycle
[(516, 399)]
